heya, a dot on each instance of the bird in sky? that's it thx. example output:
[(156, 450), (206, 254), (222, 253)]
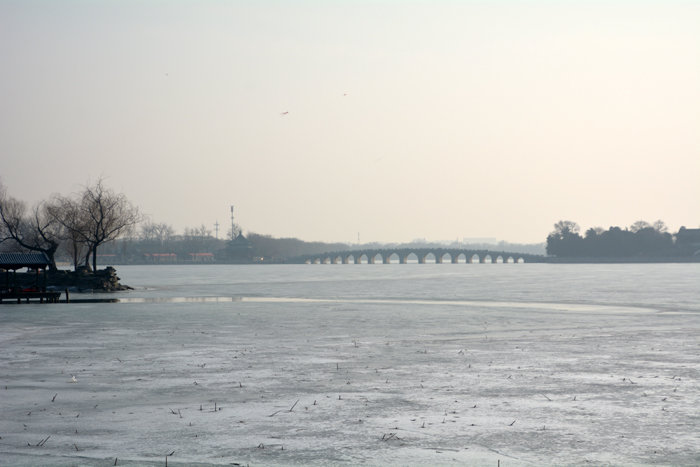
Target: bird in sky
[(284, 113)]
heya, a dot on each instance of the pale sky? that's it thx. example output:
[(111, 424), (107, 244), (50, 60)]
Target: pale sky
[(436, 120)]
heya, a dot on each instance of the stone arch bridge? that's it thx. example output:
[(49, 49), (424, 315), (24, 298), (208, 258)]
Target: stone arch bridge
[(384, 255)]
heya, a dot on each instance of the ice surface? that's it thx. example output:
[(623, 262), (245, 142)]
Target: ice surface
[(337, 379)]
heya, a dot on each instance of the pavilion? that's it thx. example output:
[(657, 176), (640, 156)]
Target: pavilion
[(36, 261)]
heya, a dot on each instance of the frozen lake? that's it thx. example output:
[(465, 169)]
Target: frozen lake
[(377, 365)]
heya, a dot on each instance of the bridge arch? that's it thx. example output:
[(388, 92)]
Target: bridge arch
[(464, 256), (423, 256), (372, 257), (389, 255), (440, 255)]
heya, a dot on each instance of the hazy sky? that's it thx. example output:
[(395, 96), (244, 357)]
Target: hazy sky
[(433, 119)]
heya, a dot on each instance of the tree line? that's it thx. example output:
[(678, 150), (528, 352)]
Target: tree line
[(161, 238), (640, 239), (76, 224), (74, 227), (154, 239)]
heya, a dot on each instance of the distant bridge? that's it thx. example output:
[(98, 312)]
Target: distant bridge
[(384, 255)]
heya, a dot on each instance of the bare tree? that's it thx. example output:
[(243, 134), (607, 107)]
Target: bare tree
[(639, 225), (565, 228), (95, 216), (36, 230), (66, 211), (163, 234), (660, 226), (233, 233), (146, 231), (156, 236), (202, 231), (75, 247), (593, 231)]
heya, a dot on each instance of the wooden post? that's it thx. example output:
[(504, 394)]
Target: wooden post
[(14, 280), (67, 296)]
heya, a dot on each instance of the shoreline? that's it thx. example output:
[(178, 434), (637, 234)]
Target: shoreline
[(544, 260), (631, 260), (102, 280)]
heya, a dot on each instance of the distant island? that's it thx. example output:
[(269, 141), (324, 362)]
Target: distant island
[(641, 240)]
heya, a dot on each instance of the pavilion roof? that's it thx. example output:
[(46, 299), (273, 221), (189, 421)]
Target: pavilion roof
[(240, 242), (23, 260)]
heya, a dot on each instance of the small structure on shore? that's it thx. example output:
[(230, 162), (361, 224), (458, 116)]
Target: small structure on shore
[(238, 249), (202, 257), (160, 257), (689, 238), (36, 261)]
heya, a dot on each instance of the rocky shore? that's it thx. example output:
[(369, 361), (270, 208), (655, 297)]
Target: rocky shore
[(102, 280)]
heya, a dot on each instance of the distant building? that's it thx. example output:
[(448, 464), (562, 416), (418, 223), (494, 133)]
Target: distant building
[(688, 236), (160, 257), (479, 240), (238, 249), (201, 257)]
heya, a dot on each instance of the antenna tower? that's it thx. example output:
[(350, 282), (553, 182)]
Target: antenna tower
[(232, 232)]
